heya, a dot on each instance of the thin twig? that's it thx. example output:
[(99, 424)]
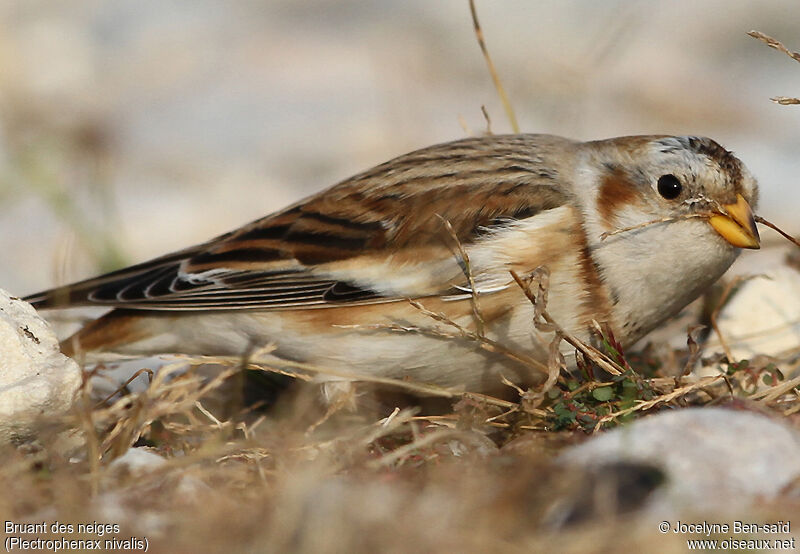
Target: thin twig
[(607, 234), (598, 357), (208, 414), (785, 100), (529, 400), (777, 45), (555, 363), (694, 349), (94, 452), (704, 215), (492, 71), (485, 342), (466, 266), (406, 450), (488, 119), (663, 399), (339, 402), (773, 393), (773, 43), (124, 385), (774, 227)]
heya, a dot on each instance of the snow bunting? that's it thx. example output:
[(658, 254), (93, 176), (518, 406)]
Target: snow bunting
[(325, 279)]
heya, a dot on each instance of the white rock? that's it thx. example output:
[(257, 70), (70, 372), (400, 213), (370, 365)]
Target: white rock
[(764, 316), (141, 460), (35, 377), (138, 461)]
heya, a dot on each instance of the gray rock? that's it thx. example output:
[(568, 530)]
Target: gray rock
[(713, 459)]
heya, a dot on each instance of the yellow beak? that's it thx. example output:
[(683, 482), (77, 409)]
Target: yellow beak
[(737, 226)]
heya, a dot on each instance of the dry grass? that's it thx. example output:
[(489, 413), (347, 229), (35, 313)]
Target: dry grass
[(777, 45), (474, 475), (501, 91)]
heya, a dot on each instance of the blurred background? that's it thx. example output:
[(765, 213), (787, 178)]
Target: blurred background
[(134, 127)]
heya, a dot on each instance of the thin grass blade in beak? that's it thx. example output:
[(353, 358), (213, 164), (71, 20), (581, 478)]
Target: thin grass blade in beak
[(737, 226)]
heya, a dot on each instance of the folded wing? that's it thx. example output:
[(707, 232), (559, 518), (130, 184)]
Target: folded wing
[(377, 237)]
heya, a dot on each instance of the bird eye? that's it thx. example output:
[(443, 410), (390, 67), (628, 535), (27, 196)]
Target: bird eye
[(669, 186)]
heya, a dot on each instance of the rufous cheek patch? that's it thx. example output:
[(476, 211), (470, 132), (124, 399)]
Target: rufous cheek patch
[(616, 193)]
